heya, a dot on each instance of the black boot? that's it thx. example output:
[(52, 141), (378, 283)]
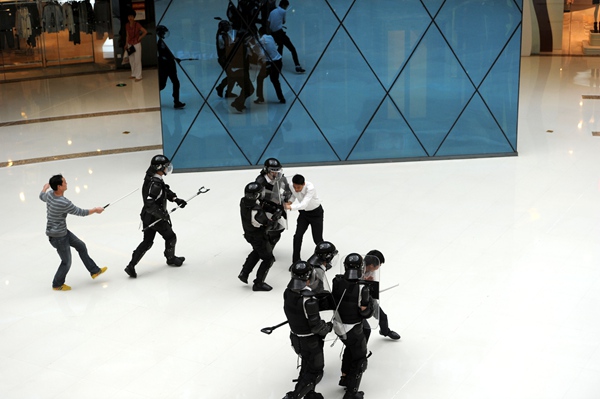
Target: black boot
[(261, 286), (175, 261), (172, 260), (130, 270), (261, 276), (595, 27), (243, 277), (354, 395), (390, 334)]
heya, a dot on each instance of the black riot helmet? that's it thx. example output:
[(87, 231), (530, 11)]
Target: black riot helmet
[(224, 26), (378, 254), (162, 31), (325, 251), (160, 163), (302, 272), (353, 264), (272, 168), (253, 191)]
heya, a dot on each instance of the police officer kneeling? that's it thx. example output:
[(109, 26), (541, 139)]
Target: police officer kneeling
[(301, 308)]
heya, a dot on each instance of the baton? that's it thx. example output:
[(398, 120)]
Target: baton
[(114, 202), (389, 288), (335, 313), (269, 330), (201, 190)]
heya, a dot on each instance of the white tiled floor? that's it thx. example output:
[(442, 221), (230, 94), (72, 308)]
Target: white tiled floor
[(497, 261)]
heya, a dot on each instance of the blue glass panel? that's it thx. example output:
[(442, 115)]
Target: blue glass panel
[(206, 145), (298, 140), (477, 31), (519, 4), (387, 43), (476, 132), (433, 6), (340, 7), (310, 27), (432, 90), (500, 89), (338, 110), (342, 94), (387, 136)]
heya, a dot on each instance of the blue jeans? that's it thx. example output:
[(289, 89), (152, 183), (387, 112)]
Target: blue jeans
[(63, 247)]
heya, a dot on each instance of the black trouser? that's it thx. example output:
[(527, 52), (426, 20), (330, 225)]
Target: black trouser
[(168, 69), (164, 229), (271, 69), (282, 39), (310, 350), (242, 78), (314, 219), (261, 250), (384, 326), (354, 358), (225, 83)]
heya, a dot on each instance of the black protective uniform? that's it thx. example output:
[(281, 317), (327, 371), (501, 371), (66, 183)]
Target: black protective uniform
[(155, 193), (308, 331), (238, 68), (223, 41), (277, 192), (262, 249), (167, 69), (350, 294)]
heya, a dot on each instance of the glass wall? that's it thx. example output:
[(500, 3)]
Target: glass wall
[(383, 80)]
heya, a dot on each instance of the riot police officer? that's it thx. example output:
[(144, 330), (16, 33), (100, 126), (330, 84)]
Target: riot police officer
[(277, 193), (354, 305), (308, 330), (155, 194), (167, 68), (256, 224)]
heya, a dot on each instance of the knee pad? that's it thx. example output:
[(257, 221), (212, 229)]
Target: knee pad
[(320, 376), (362, 366)]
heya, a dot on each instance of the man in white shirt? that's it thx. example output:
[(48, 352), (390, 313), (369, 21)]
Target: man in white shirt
[(271, 65), (310, 213), (276, 22)]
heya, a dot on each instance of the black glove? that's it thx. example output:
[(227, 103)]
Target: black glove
[(277, 214), (180, 203), (325, 329)]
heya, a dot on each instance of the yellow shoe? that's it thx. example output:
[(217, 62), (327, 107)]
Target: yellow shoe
[(100, 272), (63, 287)]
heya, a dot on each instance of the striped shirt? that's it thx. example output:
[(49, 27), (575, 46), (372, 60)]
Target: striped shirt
[(57, 209)]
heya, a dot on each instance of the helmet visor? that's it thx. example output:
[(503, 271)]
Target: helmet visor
[(275, 173), (168, 169)]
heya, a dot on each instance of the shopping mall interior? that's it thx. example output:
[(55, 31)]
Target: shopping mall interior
[(491, 261)]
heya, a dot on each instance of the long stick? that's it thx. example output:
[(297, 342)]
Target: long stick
[(269, 330), (389, 288), (201, 190), (114, 202)]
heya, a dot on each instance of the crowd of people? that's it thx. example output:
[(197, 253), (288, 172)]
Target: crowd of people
[(353, 296), (252, 34)]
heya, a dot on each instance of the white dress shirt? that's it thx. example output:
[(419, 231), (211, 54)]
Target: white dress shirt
[(277, 19), (270, 48), (306, 199)]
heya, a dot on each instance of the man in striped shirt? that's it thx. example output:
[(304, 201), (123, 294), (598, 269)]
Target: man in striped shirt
[(57, 209)]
